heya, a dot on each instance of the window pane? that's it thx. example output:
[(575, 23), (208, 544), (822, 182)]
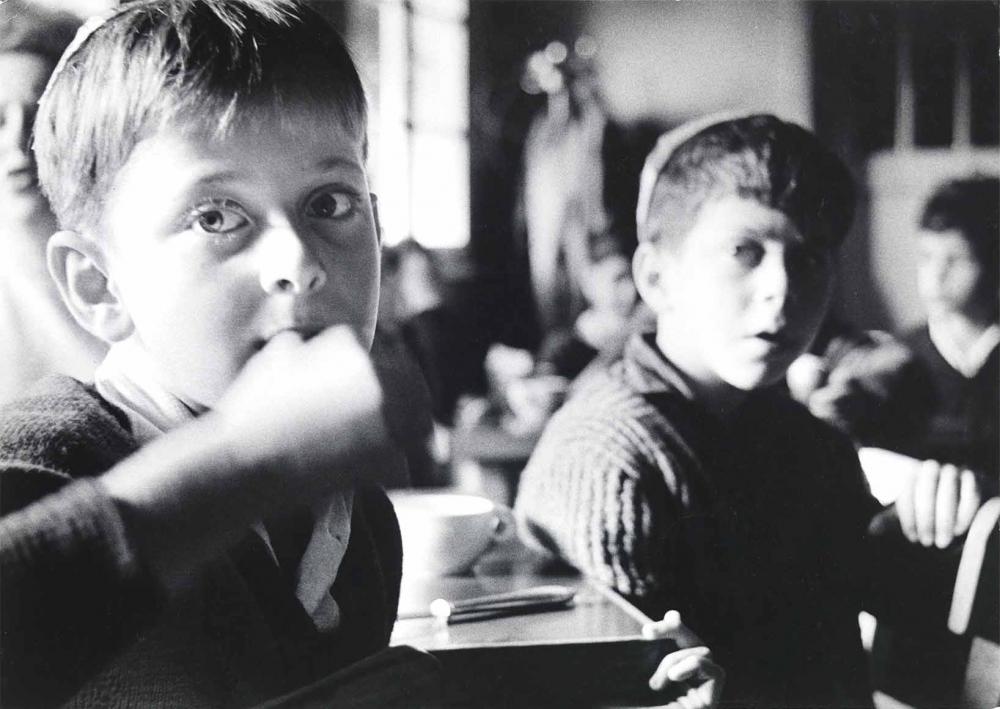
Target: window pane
[(934, 88), (440, 190), (391, 182), (440, 74), (984, 79)]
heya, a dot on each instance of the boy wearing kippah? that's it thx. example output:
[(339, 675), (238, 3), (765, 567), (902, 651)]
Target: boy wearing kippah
[(203, 526), (681, 477)]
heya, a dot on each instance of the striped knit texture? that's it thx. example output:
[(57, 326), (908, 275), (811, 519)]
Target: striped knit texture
[(604, 483)]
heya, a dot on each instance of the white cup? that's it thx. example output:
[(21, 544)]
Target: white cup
[(444, 532)]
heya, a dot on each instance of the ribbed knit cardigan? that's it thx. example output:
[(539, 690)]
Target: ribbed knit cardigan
[(754, 528), (83, 621)]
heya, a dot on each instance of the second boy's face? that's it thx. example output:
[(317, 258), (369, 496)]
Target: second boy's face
[(949, 276), (24, 77), (745, 295), (214, 246)]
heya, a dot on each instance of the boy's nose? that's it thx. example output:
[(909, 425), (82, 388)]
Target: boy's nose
[(288, 265), (773, 280), (15, 126)]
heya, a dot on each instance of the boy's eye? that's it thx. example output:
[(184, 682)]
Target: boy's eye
[(219, 220), (748, 253), (330, 204)]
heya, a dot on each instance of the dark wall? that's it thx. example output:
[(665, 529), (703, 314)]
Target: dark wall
[(854, 105)]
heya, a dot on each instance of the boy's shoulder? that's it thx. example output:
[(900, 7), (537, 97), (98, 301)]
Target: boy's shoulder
[(627, 411), (65, 426)]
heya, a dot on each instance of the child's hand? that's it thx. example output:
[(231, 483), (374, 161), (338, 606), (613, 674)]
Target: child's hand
[(692, 663), (842, 404), (937, 503), (302, 419), (306, 409)]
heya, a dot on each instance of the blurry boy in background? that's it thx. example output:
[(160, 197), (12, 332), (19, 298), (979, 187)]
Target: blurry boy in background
[(599, 333), (38, 336), (934, 393)]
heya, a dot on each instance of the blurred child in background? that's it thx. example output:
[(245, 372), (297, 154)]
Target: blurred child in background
[(38, 336)]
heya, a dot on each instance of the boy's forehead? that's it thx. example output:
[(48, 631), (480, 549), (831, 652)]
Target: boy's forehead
[(736, 215), (292, 120), (251, 152)]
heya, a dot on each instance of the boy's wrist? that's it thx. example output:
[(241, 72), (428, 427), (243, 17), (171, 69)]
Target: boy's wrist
[(186, 497)]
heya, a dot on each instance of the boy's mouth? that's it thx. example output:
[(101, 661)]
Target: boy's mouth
[(306, 332), (777, 339)]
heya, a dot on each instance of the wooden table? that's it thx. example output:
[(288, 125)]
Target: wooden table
[(488, 458), (590, 654)]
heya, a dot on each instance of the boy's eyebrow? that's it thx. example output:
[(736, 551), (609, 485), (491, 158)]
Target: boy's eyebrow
[(334, 163), (213, 178)]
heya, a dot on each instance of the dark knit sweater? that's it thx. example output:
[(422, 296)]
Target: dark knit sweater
[(753, 529), (83, 621), (933, 411)]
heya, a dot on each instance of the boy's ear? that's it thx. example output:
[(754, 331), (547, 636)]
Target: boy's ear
[(650, 268), (79, 268)]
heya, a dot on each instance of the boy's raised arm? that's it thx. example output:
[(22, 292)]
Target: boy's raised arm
[(303, 419)]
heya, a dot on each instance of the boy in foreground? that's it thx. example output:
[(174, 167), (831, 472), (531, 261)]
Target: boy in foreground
[(682, 478), (203, 525)]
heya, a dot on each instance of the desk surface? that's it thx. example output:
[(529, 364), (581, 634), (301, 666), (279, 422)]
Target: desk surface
[(596, 615), (489, 443), (590, 654)]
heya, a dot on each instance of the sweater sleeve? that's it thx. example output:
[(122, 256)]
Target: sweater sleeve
[(599, 491), (73, 593)]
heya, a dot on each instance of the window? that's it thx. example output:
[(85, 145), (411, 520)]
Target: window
[(946, 75), (422, 153)]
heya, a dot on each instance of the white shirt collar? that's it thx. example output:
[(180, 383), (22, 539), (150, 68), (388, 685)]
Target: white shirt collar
[(966, 361), (127, 379)]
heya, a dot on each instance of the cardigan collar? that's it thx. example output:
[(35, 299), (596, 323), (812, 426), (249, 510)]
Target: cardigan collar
[(648, 371), (127, 379)]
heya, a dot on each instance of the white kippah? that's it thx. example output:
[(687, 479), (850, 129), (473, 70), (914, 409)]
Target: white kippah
[(664, 149), (91, 25)]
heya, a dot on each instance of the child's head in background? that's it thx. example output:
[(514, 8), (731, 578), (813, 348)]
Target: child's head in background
[(607, 283), (739, 220), (206, 162), (958, 245), (31, 41)]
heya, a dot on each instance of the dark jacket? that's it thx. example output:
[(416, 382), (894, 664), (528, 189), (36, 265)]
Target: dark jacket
[(83, 621)]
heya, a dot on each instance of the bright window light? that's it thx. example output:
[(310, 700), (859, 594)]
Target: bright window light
[(422, 151)]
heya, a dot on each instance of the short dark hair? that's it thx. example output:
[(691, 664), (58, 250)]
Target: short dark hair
[(759, 157), (203, 65), (28, 29), (970, 206)]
